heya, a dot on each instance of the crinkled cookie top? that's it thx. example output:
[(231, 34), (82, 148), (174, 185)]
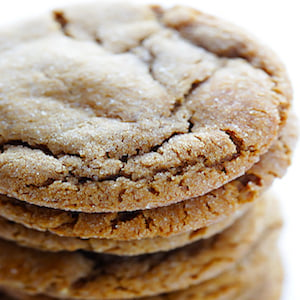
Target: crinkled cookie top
[(118, 108)]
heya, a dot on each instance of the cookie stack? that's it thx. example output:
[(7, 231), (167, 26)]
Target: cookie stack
[(136, 142)]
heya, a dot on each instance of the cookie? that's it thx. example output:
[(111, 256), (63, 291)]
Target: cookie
[(123, 108), (51, 242), (79, 274), (272, 285), (251, 278), (247, 280), (167, 221)]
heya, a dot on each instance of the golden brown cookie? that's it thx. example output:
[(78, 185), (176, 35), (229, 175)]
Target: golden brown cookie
[(166, 221), (108, 109), (51, 242), (257, 276), (79, 274)]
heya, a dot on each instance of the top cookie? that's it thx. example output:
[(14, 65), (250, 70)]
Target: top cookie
[(118, 108)]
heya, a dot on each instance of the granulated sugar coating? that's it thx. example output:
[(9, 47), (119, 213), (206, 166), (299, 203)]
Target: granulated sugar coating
[(107, 109)]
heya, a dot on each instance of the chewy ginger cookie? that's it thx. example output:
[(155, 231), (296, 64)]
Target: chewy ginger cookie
[(108, 108), (51, 242), (256, 276), (80, 274), (167, 221)]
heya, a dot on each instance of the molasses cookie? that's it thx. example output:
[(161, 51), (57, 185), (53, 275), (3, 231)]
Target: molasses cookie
[(109, 108)]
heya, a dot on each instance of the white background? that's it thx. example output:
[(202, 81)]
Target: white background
[(277, 24)]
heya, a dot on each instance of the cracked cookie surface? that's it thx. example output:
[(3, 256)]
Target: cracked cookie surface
[(134, 107), (79, 274), (166, 221)]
